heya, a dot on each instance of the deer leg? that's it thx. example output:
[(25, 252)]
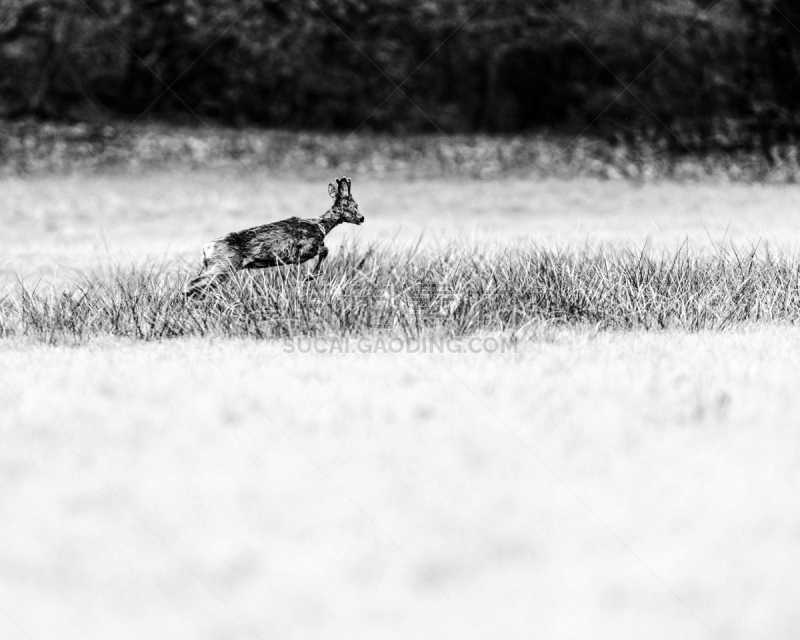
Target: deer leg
[(321, 255), (217, 267), (214, 274)]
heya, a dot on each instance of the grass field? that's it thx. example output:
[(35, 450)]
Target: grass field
[(600, 480), (62, 224), (590, 485), (453, 290)]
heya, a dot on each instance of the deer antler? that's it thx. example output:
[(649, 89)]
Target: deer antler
[(339, 189)]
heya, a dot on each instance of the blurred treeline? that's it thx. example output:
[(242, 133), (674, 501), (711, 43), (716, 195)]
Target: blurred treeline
[(722, 74)]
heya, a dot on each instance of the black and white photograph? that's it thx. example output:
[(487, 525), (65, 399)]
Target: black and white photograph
[(399, 319)]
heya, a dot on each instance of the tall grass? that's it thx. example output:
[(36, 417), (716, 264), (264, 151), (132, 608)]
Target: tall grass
[(453, 291)]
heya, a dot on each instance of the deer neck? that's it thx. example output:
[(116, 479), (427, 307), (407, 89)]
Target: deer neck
[(329, 220)]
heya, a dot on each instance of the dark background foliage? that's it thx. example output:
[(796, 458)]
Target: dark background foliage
[(700, 74)]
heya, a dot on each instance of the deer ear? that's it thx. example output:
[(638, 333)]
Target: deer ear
[(332, 190), (349, 186), (342, 182)]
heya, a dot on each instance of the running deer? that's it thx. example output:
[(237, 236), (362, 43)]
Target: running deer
[(290, 241)]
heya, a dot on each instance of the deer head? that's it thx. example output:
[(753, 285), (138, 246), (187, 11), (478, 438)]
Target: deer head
[(343, 203)]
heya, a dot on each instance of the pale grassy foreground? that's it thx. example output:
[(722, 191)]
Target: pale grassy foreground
[(612, 485)]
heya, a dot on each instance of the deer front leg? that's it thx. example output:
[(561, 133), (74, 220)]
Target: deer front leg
[(321, 255)]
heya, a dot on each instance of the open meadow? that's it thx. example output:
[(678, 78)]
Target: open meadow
[(625, 467), (537, 378), (55, 225)]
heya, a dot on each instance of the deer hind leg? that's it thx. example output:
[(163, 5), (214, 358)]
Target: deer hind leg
[(219, 262)]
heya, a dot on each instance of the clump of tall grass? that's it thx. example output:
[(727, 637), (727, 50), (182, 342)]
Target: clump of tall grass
[(454, 291)]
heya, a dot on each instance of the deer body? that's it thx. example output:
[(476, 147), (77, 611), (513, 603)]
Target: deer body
[(288, 242)]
